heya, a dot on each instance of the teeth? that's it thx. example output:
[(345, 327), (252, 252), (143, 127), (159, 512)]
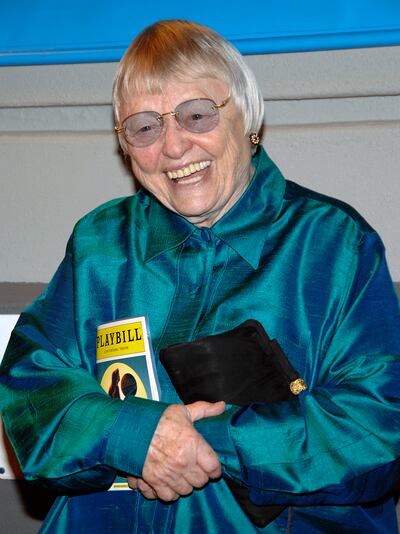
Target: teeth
[(187, 171)]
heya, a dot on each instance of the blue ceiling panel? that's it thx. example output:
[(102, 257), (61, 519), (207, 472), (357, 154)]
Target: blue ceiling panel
[(53, 31)]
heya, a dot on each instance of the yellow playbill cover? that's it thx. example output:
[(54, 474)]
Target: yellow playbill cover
[(125, 364)]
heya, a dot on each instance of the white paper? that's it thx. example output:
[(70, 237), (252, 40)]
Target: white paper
[(8, 464)]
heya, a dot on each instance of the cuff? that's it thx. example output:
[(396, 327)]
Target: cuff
[(131, 434)]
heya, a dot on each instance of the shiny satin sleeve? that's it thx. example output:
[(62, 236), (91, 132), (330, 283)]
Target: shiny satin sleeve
[(67, 433), (337, 443)]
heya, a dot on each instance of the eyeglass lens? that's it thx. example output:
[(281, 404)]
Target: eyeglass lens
[(197, 116)]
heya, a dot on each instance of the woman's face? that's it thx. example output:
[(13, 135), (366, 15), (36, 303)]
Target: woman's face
[(205, 194)]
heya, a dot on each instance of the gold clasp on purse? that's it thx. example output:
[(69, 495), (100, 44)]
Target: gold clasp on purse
[(297, 386)]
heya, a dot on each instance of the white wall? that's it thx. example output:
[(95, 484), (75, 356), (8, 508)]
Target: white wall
[(333, 124)]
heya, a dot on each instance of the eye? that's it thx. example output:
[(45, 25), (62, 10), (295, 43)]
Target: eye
[(143, 128), (196, 116), (146, 128), (141, 124)]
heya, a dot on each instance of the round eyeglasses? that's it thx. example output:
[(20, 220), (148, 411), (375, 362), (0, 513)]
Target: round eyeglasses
[(200, 115)]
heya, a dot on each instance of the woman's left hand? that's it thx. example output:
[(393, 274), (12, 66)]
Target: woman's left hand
[(179, 459)]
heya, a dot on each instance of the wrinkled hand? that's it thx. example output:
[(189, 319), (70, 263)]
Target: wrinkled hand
[(142, 486), (179, 459)]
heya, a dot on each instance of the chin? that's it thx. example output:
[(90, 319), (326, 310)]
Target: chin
[(190, 212)]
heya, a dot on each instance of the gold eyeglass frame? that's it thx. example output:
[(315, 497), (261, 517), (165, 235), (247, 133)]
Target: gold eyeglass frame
[(121, 130)]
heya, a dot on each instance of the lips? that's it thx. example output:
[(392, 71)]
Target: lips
[(188, 170)]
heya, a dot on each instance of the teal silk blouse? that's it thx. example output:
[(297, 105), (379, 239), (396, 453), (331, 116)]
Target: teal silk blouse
[(311, 270)]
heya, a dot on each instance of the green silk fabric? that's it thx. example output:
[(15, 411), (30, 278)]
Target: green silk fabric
[(311, 270)]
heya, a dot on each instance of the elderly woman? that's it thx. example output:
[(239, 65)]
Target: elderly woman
[(215, 236)]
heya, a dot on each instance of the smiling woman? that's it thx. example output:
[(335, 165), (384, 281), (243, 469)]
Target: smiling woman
[(215, 239), (199, 164), (199, 175)]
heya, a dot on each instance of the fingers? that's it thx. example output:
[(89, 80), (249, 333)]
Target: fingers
[(181, 487), (132, 482), (208, 461), (197, 478), (178, 458), (200, 409), (171, 493), (136, 483), (145, 489)]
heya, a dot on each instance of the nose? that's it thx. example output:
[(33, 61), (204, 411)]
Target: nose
[(176, 140)]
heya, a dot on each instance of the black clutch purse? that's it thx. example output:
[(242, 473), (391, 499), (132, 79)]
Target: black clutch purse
[(241, 366)]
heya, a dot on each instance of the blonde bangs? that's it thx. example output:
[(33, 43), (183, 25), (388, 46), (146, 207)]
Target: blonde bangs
[(161, 54), (178, 50)]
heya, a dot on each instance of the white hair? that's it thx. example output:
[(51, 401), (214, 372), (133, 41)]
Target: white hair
[(181, 50)]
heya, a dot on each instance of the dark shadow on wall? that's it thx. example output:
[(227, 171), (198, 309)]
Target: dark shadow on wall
[(23, 506), (35, 501)]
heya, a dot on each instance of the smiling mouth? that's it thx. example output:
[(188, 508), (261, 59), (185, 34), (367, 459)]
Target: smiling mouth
[(189, 170)]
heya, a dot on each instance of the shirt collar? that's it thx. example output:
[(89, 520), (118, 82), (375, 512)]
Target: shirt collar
[(244, 227), (167, 230)]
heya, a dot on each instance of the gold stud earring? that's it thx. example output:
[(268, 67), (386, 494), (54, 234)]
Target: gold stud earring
[(254, 139)]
